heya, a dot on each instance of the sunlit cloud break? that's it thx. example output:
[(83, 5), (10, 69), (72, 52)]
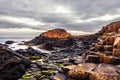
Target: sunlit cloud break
[(21, 20), (19, 30), (101, 18), (34, 32)]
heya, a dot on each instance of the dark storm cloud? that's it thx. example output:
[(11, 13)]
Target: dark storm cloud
[(82, 15)]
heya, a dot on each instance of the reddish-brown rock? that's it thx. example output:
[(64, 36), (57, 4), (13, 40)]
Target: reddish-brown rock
[(110, 40), (113, 27), (117, 40), (116, 52), (53, 38), (99, 57), (90, 71), (105, 72), (102, 42), (92, 59), (108, 48), (118, 45), (56, 33), (81, 71), (99, 47), (103, 58)]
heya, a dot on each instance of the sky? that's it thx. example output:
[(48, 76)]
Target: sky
[(32, 17)]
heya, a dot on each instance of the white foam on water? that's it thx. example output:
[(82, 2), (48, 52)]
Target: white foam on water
[(42, 50), (16, 46)]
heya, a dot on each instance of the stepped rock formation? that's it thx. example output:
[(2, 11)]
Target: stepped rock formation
[(107, 49), (113, 27), (53, 38), (102, 58), (110, 39), (12, 66)]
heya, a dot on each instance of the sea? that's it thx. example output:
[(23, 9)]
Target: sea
[(16, 39), (20, 40)]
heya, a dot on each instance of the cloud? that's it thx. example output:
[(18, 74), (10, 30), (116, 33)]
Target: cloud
[(18, 31), (82, 16), (20, 20)]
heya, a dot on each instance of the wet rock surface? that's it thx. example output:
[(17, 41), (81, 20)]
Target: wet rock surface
[(49, 65), (12, 66), (9, 42)]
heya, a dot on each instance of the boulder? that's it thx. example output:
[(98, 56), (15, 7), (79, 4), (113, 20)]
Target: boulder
[(9, 42), (12, 66), (99, 47), (111, 60), (103, 58), (90, 71), (56, 33), (108, 48), (110, 28), (116, 52), (118, 45), (53, 38), (102, 42), (92, 59), (105, 72), (81, 71), (110, 40), (117, 42), (98, 57), (58, 76)]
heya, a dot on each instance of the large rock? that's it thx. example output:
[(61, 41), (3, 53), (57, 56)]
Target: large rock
[(54, 38), (12, 66), (92, 59), (102, 42), (56, 33), (9, 42), (103, 58), (116, 52), (105, 72), (110, 40), (117, 40), (98, 57), (81, 71), (108, 48), (99, 47), (89, 71), (113, 27)]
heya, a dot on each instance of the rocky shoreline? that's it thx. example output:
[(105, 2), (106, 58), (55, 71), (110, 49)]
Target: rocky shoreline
[(89, 57)]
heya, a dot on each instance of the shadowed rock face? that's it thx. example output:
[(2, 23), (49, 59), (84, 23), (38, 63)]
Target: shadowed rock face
[(12, 67), (54, 38)]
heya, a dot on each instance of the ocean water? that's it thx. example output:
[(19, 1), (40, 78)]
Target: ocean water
[(18, 40)]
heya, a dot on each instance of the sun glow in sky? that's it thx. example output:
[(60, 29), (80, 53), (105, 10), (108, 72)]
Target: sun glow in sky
[(62, 9)]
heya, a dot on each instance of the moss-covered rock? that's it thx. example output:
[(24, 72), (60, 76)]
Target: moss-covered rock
[(35, 57)]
